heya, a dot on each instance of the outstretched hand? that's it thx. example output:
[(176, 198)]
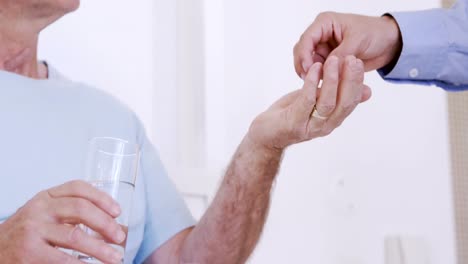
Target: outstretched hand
[(313, 112)]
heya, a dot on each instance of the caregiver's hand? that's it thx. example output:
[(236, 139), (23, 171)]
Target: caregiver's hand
[(49, 220), (374, 40)]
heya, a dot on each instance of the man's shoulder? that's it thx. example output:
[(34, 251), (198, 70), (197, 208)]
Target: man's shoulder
[(98, 104), (87, 95), (92, 105)]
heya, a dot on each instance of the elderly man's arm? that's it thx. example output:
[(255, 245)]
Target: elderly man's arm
[(233, 224)]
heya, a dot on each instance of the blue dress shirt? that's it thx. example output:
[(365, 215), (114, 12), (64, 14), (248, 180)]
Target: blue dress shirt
[(435, 48)]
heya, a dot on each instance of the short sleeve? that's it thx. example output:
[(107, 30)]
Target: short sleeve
[(166, 212)]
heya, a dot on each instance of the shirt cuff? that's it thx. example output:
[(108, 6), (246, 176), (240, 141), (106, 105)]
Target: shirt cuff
[(425, 44)]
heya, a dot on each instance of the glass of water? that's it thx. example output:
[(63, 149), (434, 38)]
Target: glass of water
[(111, 166)]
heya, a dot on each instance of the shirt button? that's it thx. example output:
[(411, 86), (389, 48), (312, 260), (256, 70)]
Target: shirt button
[(414, 73)]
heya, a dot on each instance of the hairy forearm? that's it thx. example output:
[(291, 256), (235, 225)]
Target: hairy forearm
[(230, 229)]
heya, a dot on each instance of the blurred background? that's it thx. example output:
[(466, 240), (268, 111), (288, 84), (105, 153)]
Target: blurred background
[(197, 72)]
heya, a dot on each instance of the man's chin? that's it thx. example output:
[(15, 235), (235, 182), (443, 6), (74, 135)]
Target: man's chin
[(71, 5), (76, 5)]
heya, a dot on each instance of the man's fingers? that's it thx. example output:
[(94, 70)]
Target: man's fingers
[(81, 189), (350, 92), (80, 211), (321, 53), (328, 93), (308, 56), (55, 256), (304, 49), (305, 102), (366, 93), (299, 112), (302, 59), (73, 237), (310, 48), (344, 49)]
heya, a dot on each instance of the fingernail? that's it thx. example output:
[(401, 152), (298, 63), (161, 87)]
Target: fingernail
[(116, 209), (360, 63), (333, 60), (120, 235), (318, 65), (305, 66), (117, 256), (356, 65)]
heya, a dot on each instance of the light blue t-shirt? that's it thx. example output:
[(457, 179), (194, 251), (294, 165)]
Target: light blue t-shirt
[(45, 129)]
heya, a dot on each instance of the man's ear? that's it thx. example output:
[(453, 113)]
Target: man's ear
[(17, 60)]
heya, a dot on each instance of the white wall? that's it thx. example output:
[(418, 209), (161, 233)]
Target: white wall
[(384, 172), (108, 44), (179, 112)]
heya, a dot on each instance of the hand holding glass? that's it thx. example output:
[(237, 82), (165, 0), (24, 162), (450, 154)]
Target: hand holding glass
[(111, 166)]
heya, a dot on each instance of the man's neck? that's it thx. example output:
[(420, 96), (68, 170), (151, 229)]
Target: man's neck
[(18, 47)]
